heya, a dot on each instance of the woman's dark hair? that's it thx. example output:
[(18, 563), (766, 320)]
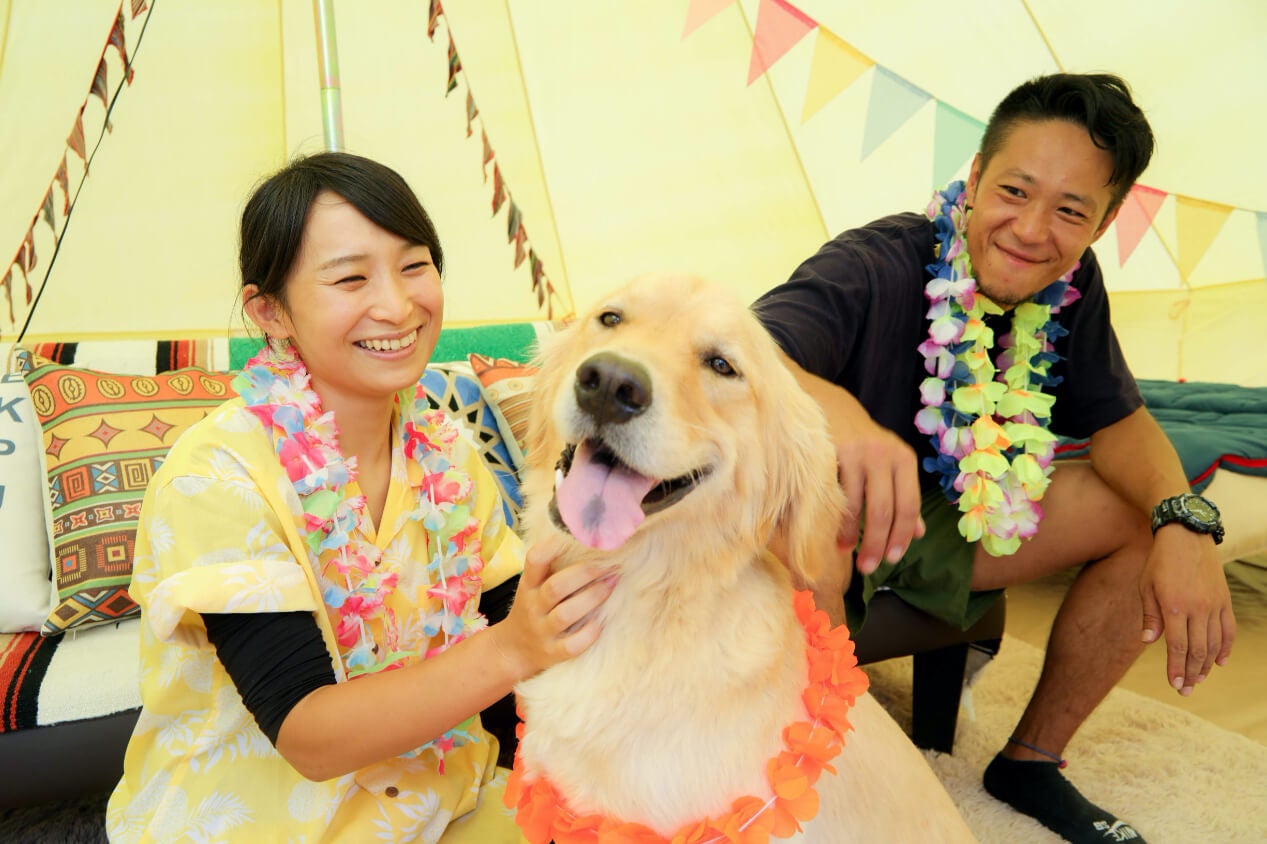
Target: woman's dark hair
[(274, 217), (1100, 103)]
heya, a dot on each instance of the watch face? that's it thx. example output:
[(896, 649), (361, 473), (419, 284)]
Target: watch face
[(1201, 509)]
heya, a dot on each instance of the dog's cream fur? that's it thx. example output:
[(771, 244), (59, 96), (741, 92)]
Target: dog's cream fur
[(676, 709)]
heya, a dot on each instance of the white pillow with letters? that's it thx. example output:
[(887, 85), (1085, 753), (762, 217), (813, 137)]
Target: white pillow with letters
[(26, 565)]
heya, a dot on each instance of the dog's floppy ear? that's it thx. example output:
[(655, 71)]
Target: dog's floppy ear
[(804, 499)]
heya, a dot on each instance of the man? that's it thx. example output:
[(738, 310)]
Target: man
[(877, 345)]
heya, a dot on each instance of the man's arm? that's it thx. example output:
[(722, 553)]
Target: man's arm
[(876, 468), (1184, 590)]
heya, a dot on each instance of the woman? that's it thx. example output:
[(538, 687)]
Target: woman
[(310, 557)]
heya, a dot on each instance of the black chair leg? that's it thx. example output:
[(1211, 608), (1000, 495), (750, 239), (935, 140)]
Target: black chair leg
[(937, 687)]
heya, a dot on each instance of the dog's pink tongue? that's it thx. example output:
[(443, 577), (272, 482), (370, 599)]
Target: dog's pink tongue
[(601, 504)]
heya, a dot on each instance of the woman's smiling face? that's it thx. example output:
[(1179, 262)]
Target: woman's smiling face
[(363, 307)]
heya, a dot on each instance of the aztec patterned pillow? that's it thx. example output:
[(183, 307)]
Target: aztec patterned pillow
[(104, 435)]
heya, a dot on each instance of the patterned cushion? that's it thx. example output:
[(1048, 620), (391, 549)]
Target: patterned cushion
[(104, 436), (453, 388), (508, 389)]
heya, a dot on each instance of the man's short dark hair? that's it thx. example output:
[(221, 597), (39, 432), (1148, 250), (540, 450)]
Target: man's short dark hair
[(1099, 102)]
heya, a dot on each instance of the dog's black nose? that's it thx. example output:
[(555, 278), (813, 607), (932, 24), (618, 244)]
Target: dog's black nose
[(612, 389)]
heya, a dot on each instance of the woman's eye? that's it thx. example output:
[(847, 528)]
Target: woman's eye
[(417, 265), (721, 366), (611, 319), (350, 279)]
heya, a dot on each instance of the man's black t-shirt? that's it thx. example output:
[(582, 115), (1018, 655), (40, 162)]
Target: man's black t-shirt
[(855, 312)]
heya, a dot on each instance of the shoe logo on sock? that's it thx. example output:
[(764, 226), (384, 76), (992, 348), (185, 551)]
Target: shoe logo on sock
[(1117, 831)]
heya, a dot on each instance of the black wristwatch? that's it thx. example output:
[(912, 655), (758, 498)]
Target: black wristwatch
[(1193, 511)]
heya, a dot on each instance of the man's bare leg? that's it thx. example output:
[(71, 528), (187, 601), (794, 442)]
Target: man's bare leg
[(1095, 638)]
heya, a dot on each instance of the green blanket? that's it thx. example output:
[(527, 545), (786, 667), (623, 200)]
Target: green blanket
[(1211, 425)]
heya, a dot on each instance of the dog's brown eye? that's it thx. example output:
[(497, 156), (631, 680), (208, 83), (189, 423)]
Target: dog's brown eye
[(611, 319), (721, 366)]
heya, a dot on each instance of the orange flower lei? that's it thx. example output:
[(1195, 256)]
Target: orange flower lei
[(835, 681)]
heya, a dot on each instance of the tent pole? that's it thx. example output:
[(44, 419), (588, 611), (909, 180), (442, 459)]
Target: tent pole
[(328, 67)]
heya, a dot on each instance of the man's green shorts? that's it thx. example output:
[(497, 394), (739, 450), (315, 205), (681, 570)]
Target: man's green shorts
[(934, 575)]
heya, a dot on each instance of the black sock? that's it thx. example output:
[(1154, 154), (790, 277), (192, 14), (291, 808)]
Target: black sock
[(1039, 790)]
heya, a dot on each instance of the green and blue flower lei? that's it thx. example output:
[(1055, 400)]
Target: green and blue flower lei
[(987, 419)]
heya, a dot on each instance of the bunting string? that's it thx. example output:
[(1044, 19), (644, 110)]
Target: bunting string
[(548, 297), (25, 261), (836, 65)]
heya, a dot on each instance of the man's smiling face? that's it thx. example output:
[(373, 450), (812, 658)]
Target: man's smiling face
[(1042, 200)]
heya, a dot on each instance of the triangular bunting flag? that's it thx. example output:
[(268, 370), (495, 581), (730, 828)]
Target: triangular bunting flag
[(63, 179), (433, 17), (521, 237), (471, 111), (1198, 222), (499, 190), (29, 249), (1136, 215), (779, 26), (488, 155), (455, 64), (76, 139), (1262, 238), (138, 6), (27, 260), (534, 263), (47, 208), (893, 102), (700, 12), (836, 65), (116, 40), (956, 138), (100, 82), (514, 221), (537, 273)]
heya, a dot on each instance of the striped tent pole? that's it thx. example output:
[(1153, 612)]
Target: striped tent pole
[(328, 67)]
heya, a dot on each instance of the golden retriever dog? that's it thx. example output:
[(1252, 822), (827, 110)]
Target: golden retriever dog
[(684, 447)]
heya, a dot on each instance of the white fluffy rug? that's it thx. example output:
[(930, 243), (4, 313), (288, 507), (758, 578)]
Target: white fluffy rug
[(1178, 778)]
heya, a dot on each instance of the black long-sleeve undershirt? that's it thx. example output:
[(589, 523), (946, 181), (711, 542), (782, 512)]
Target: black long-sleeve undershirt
[(277, 659)]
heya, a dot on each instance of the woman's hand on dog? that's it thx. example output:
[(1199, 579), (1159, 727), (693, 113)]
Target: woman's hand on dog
[(555, 614)]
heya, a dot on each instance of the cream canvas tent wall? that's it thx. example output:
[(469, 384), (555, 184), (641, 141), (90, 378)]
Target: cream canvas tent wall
[(726, 137)]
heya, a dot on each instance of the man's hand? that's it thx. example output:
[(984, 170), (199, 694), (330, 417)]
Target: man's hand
[(1182, 586), (878, 472), (1185, 596)]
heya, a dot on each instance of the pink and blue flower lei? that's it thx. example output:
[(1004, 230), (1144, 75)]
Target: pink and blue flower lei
[(987, 419), (355, 587)]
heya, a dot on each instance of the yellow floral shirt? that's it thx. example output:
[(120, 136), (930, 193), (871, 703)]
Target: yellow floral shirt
[(220, 532)]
